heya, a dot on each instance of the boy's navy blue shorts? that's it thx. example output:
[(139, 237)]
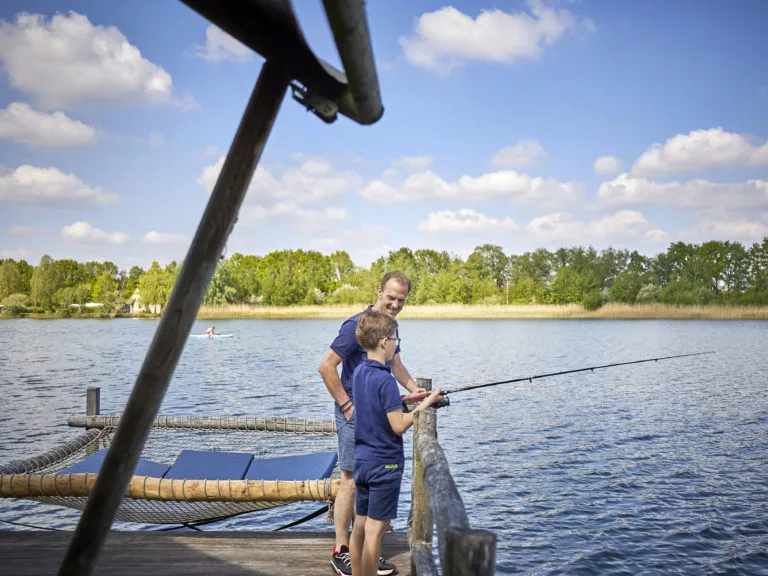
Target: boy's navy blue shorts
[(377, 489)]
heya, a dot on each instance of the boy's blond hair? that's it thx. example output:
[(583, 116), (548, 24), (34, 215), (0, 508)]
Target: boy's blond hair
[(372, 327)]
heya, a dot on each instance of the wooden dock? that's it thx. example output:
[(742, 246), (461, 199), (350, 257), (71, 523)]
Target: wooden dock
[(35, 553)]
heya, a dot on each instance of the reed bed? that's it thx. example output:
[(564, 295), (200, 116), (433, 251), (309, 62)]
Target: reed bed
[(489, 312)]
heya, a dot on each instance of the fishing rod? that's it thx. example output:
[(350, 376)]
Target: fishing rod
[(445, 402)]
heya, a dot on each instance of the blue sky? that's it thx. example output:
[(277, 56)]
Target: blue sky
[(522, 123)]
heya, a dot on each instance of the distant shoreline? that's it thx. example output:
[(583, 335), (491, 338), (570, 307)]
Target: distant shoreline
[(611, 311)]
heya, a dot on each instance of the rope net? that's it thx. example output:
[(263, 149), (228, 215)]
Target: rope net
[(180, 501)]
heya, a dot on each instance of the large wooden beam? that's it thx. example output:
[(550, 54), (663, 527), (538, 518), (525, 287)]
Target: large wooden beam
[(172, 490), (165, 350)]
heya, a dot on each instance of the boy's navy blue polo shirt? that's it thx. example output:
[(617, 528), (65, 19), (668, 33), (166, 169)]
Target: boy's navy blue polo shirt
[(376, 393), (352, 354)]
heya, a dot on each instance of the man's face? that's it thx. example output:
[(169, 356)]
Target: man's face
[(392, 298)]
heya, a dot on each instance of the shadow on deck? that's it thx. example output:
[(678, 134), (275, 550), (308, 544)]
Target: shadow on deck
[(191, 553)]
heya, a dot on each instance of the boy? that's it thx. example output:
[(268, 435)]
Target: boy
[(379, 427)]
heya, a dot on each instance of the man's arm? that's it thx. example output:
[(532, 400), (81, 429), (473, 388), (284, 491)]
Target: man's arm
[(402, 375), (329, 370)]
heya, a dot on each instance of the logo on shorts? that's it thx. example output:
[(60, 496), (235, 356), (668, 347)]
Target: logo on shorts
[(387, 466)]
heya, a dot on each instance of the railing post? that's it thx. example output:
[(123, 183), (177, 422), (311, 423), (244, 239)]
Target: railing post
[(173, 330), (93, 401), (420, 518), (470, 553), (92, 408)]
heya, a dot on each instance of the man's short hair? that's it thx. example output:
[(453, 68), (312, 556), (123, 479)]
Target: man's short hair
[(372, 327), (398, 276)]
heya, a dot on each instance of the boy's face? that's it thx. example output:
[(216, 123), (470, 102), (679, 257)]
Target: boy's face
[(390, 345)]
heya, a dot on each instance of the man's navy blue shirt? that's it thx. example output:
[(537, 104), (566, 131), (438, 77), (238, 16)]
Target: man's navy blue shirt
[(352, 354), (376, 393)]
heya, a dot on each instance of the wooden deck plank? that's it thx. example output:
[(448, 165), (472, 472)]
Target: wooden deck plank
[(191, 553)]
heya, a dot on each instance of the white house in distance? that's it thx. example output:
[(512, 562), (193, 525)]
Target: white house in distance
[(135, 305)]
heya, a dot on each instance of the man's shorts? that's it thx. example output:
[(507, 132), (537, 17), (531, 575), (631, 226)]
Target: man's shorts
[(345, 431), (377, 489)]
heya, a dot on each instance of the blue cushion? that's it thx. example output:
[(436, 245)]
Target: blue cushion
[(93, 463), (304, 467), (209, 465)]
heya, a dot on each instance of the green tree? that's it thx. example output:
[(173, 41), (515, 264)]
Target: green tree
[(132, 281), (10, 278), (155, 285), (43, 284)]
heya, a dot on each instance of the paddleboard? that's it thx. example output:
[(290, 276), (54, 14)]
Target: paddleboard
[(213, 336)]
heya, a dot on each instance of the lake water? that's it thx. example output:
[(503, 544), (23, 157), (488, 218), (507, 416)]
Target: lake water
[(658, 468)]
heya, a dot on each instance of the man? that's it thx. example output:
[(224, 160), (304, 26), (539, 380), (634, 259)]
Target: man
[(345, 350)]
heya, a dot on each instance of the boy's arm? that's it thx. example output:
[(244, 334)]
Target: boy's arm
[(402, 375), (400, 421)]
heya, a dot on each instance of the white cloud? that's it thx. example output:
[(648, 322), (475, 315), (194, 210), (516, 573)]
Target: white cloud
[(363, 244), (50, 187), (501, 185), (412, 163), (14, 253), (739, 228), (446, 38), (21, 230), (154, 237), (313, 180), (83, 233), (701, 150), (607, 165), (465, 220), (66, 61), (305, 220), (623, 224), (220, 46), (523, 153), (695, 194), (19, 123)]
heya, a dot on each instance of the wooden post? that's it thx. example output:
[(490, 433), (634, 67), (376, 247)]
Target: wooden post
[(93, 401), (419, 498), (470, 553), (92, 408), (173, 330), (420, 519)]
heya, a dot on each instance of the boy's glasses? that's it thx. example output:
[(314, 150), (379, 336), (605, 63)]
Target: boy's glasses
[(396, 339)]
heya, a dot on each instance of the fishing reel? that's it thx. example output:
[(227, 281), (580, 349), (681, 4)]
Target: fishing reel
[(443, 403)]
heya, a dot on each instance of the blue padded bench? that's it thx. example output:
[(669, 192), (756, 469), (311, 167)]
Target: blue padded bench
[(209, 465), (305, 467), (92, 465)]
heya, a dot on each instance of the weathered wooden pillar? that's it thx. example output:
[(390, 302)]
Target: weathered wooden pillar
[(93, 401), (470, 553), (92, 408), (421, 519), (176, 322)]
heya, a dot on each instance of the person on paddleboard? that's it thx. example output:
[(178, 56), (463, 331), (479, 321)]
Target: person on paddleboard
[(210, 331)]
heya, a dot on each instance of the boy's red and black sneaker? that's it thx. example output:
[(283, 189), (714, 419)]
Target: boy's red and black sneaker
[(340, 562)]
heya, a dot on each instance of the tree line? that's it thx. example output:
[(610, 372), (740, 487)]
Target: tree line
[(685, 274)]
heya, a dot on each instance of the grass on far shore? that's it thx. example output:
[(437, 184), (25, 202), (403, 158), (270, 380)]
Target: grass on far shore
[(500, 311)]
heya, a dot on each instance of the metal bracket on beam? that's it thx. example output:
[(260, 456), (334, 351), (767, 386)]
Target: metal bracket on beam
[(322, 107)]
